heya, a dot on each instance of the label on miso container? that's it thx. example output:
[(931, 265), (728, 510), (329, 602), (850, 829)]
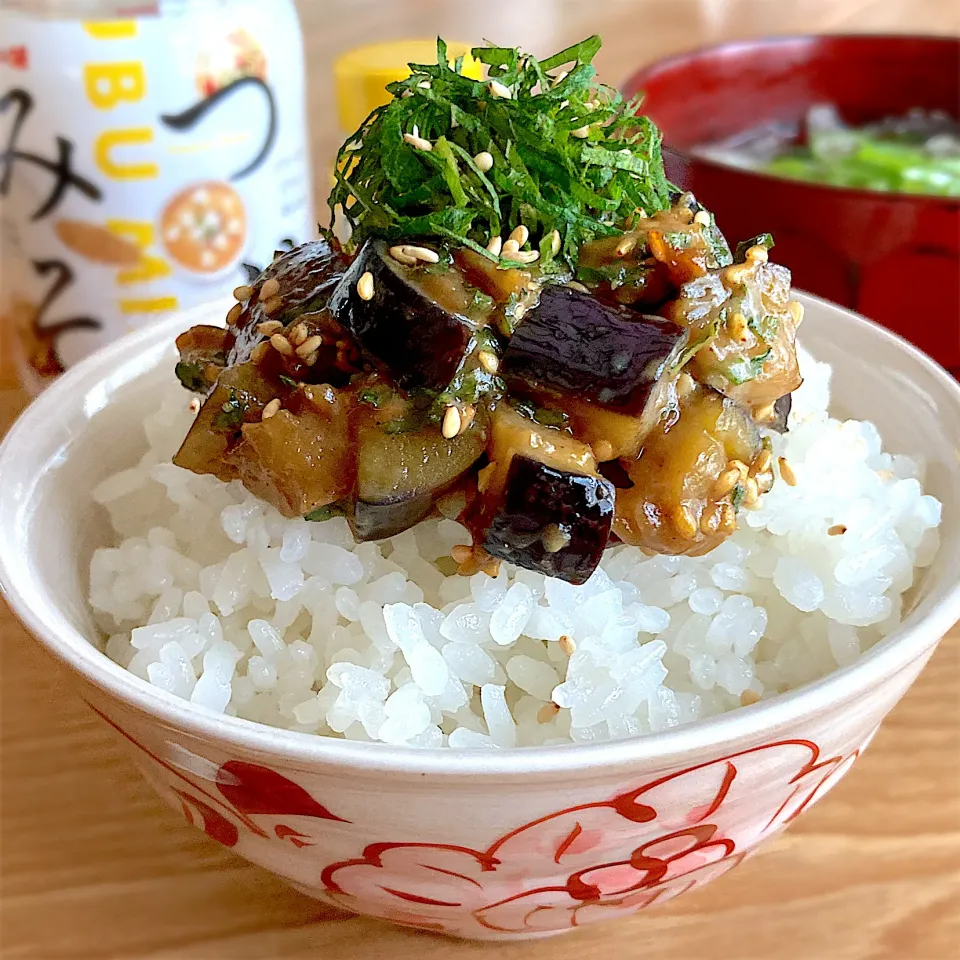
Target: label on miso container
[(146, 166)]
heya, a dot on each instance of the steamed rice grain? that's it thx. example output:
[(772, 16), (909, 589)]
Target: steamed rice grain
[(213, 596)]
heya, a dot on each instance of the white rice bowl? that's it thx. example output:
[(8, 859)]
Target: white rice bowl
[(212, 595)]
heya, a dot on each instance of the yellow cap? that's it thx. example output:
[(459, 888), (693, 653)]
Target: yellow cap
[(362, 73)]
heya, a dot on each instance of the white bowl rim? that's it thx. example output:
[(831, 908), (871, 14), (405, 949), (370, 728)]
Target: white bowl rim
[(720, 734)]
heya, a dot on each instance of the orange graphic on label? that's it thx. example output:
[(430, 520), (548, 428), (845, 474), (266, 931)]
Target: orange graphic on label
[(204, 227)]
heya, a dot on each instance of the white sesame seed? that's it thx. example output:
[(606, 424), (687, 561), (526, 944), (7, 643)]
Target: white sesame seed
[(269, 327), (737, 273), (483, 161), (243, 293), (567, 645), (581, 133), (573, 285), (684, 522), (521, 234), (281, 344), (495, 245), (488, 361), (270, 288), (626, 245), (761, 463), (685, 386), (560, 77), (554, 538), (519, 311), (510, 248), (298, 334), (728, 517), (786, 472), (526, 256), (309, 345), (727, 480), (555, 242), (497, 89), (765, 412), (365, 286), (401, 256), (271, 409), (461, 552), (451, 423), (272, 305), (547, 712), (416, 141), (421, 253), (603, 450), (233, 315), (702, 217), (424, 84), (736, 326), (194, 405)]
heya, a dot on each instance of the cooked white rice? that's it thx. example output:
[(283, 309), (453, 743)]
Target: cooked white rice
[(212, 595)]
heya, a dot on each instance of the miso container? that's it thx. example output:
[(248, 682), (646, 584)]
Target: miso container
[(149, 162)]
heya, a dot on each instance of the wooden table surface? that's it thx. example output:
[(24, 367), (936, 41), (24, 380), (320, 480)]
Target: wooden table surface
[(92, 864)]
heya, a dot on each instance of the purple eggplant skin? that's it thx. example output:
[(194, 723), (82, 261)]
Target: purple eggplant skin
[(378, 521), (781, 411), (604, 352), (540, 502), (307, 275), (421, 344)]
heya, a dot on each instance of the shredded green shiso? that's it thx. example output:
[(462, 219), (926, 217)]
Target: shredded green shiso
[(569, 154)]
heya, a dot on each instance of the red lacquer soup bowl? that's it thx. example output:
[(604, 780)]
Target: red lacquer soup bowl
[(893, 257)]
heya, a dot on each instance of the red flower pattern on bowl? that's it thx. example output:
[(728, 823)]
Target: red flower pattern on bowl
[(581, 864), (614, 856)]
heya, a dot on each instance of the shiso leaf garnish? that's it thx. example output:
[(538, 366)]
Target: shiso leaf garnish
[(742, 370), (569, 154), (191, 376), (764, 240), (324, 513)]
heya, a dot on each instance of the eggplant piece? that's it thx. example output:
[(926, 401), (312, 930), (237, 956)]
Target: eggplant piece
[(574, 343), (487, 277), (401, 475), (307, 276), (415, 322), (646, 265), (239, 396), (781, 413), (542, 503), (298, 461), (202, 357), (551, 521), (687, 483), (612, 435), (379, 521), (746, 327)]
